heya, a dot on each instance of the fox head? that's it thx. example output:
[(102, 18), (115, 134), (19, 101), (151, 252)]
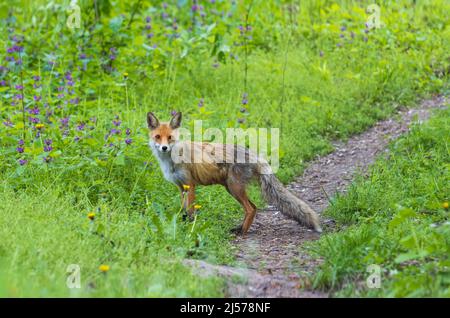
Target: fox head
[(163, 135)]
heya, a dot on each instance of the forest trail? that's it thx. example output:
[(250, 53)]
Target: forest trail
[(271, 260)]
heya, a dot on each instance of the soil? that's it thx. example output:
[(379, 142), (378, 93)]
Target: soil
[(271, 257)]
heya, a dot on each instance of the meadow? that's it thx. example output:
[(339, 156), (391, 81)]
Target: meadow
[(79, 184)]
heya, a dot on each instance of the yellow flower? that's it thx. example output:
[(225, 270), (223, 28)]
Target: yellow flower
[(445, 205), (39, 126), (104, 268), (91, 216), (125, 74), (185, 187), (197, 206)]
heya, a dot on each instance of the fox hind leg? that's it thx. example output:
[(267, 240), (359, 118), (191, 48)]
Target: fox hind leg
[(237, 190)]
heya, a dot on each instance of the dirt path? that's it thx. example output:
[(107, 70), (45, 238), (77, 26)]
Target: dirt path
[(271, 256)]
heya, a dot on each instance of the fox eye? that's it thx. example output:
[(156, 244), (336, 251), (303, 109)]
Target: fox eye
[(157, 136), (170, 137)]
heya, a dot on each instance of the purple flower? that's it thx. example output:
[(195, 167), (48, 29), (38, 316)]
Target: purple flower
[(37, 98), (115, 131), (82, 56), (19, 87), (60, 96), (76, 139), (343, 28), (34, 111), (3, 83), (148, 19), (23, 162), (244, 99), (64, 121), (201, 102), (243, 110), (68, 76), (8, 123), (70, 83), (117, 123), (60, 88), (75, 101), (48, 142), (47, 159), (20, 149), (48, 148), (36, 78), (173, 112), (128, 141), (33, 120), (81, 126), (21, 142), (128, 131)]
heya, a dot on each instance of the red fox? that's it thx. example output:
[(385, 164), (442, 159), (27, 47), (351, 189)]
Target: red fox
[(231, 173)]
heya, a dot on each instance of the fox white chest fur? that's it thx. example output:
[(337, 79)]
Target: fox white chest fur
[(172, 172)]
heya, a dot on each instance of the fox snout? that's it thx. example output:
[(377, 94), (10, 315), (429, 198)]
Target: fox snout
[(163, 148)]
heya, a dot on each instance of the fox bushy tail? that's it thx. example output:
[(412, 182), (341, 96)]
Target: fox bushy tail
[(291, 206)]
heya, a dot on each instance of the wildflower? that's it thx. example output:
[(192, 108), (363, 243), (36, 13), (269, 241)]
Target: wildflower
[(91, 216), (197, 206), (21, 142), (128, 131), (148, 19), (81, 126), (128, 141), (104, 268), (20, 149), (37, 98), (47, 159), (23, 162), (39, 126), (186, 187), (173, 112), (445, 205), (19, 87), (36, 78), (244, 99), (8, 123), (82, 56), (117, 123), (201, 102), (125, 75)]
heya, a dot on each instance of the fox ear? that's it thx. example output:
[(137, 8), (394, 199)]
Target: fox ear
[(152, 121), (175, 122)]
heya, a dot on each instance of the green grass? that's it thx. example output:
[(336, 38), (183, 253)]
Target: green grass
[(298, 79), (395, 218)]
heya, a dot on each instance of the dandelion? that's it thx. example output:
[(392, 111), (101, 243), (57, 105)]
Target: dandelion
[(445, 205), (104, 268), (197, 206), (125, 75), (186, 187), (39, 126), (91, 216)]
